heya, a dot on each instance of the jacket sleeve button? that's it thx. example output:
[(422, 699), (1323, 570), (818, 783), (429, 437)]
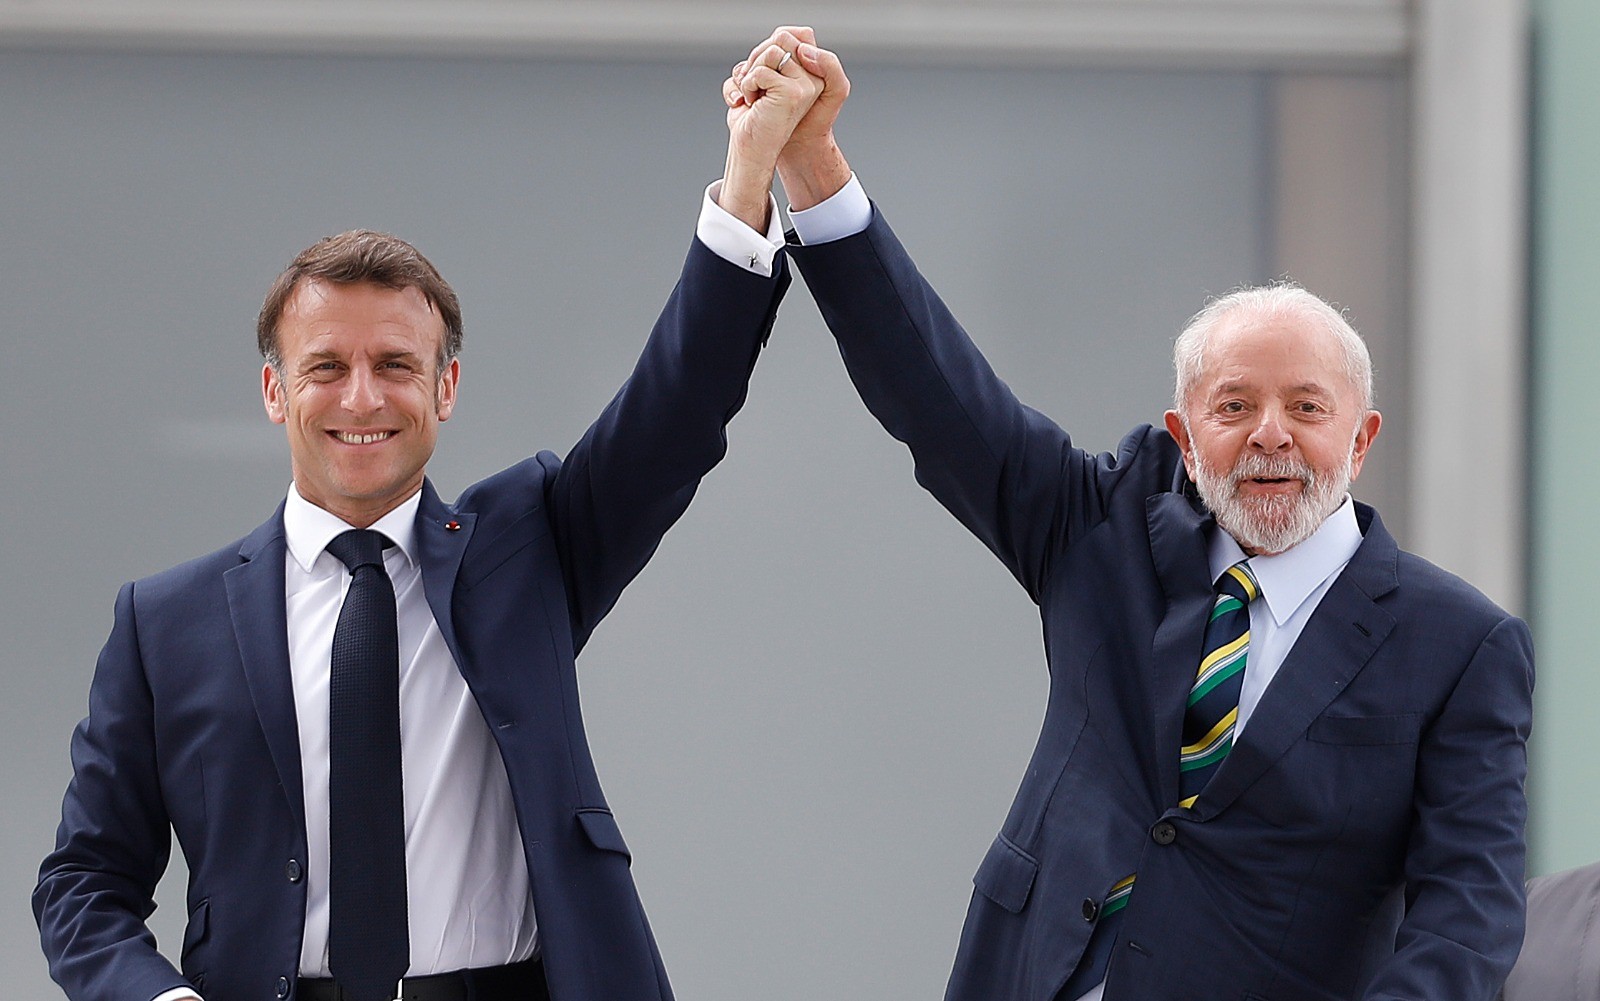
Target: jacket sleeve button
[(1091, 909), (293, 871), (283, 987)]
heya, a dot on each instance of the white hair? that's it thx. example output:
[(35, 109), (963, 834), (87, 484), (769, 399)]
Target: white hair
[(1279, 299)]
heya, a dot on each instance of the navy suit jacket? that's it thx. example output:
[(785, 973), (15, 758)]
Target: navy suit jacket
[(191, 720), (1381, 773)]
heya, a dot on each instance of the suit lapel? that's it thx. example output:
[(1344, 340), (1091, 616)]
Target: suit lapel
[(1338, 641), (440, 548), (1178, 546), (256, 605), (260, 624)]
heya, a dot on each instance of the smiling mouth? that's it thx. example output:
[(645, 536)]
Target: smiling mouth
[(1272, 483), (362, 438)]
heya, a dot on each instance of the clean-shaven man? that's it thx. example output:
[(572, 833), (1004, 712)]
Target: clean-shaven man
[(361, 722)]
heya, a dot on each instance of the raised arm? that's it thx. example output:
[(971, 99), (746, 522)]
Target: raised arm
[(1007, 472), (635, 470)]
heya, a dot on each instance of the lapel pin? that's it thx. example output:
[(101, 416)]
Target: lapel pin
[(452, 526)]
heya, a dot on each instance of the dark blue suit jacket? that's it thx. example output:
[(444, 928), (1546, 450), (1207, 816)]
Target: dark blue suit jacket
[(191, 718), (1384, 763)]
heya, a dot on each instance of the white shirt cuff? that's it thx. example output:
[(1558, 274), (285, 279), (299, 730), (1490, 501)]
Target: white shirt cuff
[(846, 213), (733, 240), (175, 994)]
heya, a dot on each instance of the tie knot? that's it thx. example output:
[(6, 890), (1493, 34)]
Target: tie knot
[(1239, 582), (359, 547)]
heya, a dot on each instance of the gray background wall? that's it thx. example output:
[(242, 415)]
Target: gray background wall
[(811, 710)]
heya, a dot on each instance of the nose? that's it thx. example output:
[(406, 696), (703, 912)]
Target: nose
[(362, 393), (1270, 433)]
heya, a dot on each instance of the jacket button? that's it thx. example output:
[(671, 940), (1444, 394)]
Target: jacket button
[(1164, 833), (1091, 909), (293, 871), (283, 987)]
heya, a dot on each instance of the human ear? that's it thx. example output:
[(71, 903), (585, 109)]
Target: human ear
[(1366, 433), (445, 397), (1180, 434), (272, 395)]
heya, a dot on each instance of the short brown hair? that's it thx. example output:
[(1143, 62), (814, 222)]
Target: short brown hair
[(354, 257)]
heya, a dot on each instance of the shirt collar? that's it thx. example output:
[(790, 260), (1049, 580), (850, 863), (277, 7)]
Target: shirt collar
[(308, 529), (1290, 577)]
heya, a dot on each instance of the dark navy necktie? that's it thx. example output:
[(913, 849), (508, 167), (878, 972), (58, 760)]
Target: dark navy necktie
[(368, 948)]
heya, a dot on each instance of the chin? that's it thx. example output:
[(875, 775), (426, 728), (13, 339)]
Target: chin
[(1273, 525)]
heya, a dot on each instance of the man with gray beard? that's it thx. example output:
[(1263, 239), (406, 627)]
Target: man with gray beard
[(1283, 760)]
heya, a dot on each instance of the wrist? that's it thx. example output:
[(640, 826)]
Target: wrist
[(746, 192), (812, 172)]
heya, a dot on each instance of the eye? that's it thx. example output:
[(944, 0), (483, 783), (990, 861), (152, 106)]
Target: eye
[(1231, 407)]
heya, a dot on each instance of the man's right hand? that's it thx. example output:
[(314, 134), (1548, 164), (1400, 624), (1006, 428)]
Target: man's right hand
[(811, 165)]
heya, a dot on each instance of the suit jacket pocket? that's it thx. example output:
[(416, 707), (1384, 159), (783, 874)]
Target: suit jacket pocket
[(1366, 730), (194, 936), (482, 561), (1006, 875), (602, 831)]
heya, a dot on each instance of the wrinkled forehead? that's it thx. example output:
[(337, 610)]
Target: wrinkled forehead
[(1274, 353), (318, 308)]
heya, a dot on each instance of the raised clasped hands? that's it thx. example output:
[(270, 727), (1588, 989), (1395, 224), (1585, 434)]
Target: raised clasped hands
[(782, 102)]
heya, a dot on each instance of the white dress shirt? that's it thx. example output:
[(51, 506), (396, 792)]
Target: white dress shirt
[(468, 900), (1292, 585), (844, 214), (733, 240)]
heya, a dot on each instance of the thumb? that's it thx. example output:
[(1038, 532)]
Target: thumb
[(820, 62)]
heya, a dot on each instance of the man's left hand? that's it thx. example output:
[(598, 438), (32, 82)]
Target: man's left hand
[(771, 96)]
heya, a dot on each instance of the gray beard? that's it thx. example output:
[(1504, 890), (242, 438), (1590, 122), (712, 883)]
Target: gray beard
[(1270, 525)]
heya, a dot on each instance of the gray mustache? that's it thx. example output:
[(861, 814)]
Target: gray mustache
[(1271, 467)]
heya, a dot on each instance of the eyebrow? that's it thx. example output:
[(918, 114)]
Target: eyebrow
[(312, 357), (398, 356)]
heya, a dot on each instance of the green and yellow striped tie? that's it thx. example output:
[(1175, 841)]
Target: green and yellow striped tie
[(1209, 722), (1213, 711)]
